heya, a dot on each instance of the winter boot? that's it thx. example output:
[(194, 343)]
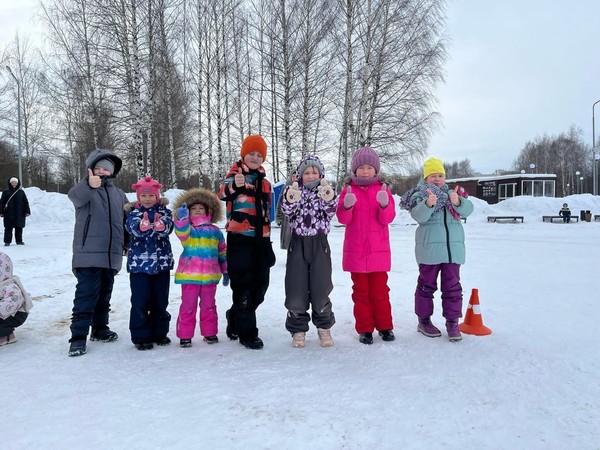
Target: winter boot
[(78, 346), (255, 343), (3, 340), (325, 337), (366, 338), (211, 339), (12, 338), (143, 346), (428, 329), (230, 331), (104, 335), (185, 343), (163, 341), (298, 339), (453, 331), (387, 335)]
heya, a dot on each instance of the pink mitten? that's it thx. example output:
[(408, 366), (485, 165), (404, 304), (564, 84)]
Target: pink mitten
[(158, 224), (382, 197), (145, 223), (349, 199)]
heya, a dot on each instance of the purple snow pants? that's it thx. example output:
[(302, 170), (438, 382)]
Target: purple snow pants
[(186, 322), (451, 290)]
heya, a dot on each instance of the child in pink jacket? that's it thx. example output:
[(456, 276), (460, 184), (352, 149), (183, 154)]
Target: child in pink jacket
[(366, 208)]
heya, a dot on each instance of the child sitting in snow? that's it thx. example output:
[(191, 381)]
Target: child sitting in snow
[(309, 203), (15, 302), (201, 264), (440, 246), (149, 262)]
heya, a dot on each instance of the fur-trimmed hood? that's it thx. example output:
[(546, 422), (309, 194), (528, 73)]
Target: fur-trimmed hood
[(128, 207), (204, 196)]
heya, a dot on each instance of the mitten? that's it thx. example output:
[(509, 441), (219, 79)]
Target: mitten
[(145, 223), (158, 224), (239, 179), (183, 212), (225, 279), (325, 191), (293, 193), (382, 197), (349, 199)]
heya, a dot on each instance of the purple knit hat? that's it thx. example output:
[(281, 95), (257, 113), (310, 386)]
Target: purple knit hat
[(365, 155)]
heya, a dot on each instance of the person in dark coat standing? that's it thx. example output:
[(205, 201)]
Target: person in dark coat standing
[(14, 207), (98, 246)]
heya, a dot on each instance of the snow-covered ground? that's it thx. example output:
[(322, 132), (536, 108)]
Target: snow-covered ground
[(532, 384)]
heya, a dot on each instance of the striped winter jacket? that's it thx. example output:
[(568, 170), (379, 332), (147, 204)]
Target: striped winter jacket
[(248, 207), (204, 256)]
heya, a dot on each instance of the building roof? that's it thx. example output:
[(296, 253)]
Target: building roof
[(503, 177)]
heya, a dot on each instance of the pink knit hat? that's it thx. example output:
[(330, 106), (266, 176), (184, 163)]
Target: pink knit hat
[(365, 155), (147, 186)]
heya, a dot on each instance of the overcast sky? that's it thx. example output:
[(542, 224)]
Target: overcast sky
[(517, 69)]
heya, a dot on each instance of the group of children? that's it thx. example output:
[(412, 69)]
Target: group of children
[(365, 206)]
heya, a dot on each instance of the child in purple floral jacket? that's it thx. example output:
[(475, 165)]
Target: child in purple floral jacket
[(309, 203)]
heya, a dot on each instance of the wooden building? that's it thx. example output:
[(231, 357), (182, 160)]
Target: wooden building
[(495, 188)]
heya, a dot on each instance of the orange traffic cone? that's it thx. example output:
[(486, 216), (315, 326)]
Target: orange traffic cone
[(473, 323)]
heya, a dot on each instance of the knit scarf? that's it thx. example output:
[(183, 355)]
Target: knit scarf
[(443, 200)]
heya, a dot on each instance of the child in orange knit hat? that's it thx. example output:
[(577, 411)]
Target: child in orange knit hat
[(250, 256)]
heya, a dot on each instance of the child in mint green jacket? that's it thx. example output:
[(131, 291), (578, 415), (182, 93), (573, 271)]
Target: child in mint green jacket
[(439, 246)]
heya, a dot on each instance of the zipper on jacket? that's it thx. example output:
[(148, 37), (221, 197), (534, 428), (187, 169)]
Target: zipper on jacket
[(447, 238), (109, 225)]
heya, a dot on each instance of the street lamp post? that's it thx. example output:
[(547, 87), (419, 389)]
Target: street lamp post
[(595, 175), (577, 181), (18, 122), (532, 166)]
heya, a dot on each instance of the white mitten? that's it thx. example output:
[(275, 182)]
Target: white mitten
[(293, 193), (325, 191)]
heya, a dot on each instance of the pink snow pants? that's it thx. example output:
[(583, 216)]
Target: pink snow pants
[(186, 322)]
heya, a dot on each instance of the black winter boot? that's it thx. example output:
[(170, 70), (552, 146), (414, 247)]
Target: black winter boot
[(104, 335), (365, 338), (230, 330), (78, 346)]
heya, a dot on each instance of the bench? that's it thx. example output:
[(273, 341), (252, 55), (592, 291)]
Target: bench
[(559, 218), (504, 218)]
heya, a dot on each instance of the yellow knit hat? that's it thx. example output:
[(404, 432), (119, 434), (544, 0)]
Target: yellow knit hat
[(433, 165)]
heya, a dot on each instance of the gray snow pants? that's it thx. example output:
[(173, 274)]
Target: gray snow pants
[(308, 283)]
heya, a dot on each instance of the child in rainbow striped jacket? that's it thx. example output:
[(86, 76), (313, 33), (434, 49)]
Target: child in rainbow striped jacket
[(201, 264)]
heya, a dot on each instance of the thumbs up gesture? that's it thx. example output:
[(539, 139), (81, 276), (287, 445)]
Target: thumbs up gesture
[(349, 199), (293, 193), (144, 223), (239, 178), (382, 196), (158, 224), (453, 196), (325, 191), (431, 198), (94, 181)]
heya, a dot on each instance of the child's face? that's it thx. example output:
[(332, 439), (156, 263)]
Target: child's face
[(147, 200), (366, 171), (565, 205), (253, 160), (101, 172), (311, 173), (437, 179), (197, 210)]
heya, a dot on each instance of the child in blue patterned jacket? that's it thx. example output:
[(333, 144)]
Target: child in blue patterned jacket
[(309, 203), (149, 262)]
